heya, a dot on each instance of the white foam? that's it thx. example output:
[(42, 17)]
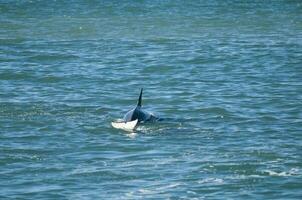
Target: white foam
[(215, 181), (291, 172), (144, 191), (168, 186), (132, 135)]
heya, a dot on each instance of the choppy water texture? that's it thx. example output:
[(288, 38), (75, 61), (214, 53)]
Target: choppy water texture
[(226, 76)]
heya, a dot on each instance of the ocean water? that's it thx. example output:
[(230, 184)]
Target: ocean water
[(226, 77)]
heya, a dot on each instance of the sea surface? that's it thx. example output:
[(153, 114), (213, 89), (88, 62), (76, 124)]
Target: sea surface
[(225, 77)]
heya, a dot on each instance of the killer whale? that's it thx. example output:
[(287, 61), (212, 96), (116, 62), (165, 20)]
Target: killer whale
[(138, 113), (134, 116)]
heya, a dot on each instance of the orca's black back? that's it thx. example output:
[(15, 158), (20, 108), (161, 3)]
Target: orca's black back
[(134, 114)]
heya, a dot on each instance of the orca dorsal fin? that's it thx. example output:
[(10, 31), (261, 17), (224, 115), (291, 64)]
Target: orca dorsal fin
[(139, 102)]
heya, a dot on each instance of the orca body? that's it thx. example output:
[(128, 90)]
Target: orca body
[(135, 116), (138, 113)]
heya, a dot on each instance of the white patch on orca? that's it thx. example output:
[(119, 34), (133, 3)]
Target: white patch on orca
[(127, 126)]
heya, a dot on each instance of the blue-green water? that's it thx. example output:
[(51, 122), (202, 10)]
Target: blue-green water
[(225, 75)]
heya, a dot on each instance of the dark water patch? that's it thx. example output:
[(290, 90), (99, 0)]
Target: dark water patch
[(16, 75), (11, 41), (51, 57)]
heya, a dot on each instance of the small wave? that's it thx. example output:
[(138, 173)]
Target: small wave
[(84, 171), (145, 191), (216, 181), (163, 188), (158, 189), (291, 172)]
